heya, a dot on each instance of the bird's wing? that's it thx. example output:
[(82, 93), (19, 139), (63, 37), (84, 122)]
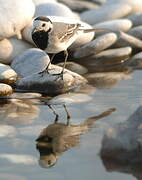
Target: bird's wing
[(64, 32)]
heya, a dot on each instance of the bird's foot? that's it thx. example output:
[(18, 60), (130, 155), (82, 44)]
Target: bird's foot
[(44, 72), (60, 75)]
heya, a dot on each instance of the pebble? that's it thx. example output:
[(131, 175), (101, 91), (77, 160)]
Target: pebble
[(54, 9), (7, 131), (136, 19), (10, 48), (114, 25), (96, 45), (136, 61), (49, 83), (112, 56), (136, 32), (29, 62), (79, 5), (106, 13), (7, 74), (122, 142), (128, 40), (15, 16), (106, 80), (5, 90), (75, 67), (43, 1), (136, 5)]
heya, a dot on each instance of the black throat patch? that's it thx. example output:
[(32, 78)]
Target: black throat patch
[(40, 38)]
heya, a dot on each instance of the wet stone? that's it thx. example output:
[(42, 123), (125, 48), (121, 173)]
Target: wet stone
[(12, 47), (122, 142), (96, 45), (106, 13), (75, 67), (31, 61), (113, 56), (136, 19), (7, 74), (51, 83), (128, 40), (15, 16), (5, 90), (136, 32), (136, 61)]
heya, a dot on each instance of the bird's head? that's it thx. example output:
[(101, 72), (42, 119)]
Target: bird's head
[(41, 28)]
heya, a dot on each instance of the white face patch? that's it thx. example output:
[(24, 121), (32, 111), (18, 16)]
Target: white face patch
[(40, 25)]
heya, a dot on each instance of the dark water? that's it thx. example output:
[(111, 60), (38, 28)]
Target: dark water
[(76, 145)]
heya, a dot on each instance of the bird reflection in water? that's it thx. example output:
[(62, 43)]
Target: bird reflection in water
[(58, 137)]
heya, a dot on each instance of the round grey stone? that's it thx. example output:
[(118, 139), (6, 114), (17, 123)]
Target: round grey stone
[(136, 19), (136, 32), (29, 62)]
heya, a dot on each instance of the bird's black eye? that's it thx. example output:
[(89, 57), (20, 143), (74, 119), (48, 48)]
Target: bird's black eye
[(43, 25)]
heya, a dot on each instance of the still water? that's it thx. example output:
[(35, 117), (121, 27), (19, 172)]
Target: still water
[(77, 143)]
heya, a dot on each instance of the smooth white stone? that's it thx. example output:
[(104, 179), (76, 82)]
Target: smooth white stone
[(5, 90), (136, 19), (51, 83), (7, 131), (29, 62), (136, 32), (10, 48), (96, 45), (122, 142), (128, 40), (15, 15), (43, 1), (106, 13), (7, 74), (136, 5), (114, 25), (53, 9)]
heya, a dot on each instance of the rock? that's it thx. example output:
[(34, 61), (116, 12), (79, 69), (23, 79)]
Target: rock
[(115, 25), (7, 74), (122, 142), (31, 61), (43, 1), (25, 96), (15, 15), (51, 83), (75, 67), (79, 5), (106, 13), (106, 80), (136, 19), (136, 5), (5, 90), (128, 40), (112, 56), (10, 48), (81, 40), (7, 131), (99, 1), (136, 61), (53, 9), (96, 45), (136, 32)]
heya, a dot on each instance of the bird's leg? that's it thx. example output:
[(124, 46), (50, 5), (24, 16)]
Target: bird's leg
[(46, 69), (54, 112), (64, 65), (68, 116)]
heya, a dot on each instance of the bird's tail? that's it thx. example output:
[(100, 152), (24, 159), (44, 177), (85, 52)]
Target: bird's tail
[(96, 30)]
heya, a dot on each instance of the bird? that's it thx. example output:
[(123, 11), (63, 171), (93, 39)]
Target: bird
[(56, 36)]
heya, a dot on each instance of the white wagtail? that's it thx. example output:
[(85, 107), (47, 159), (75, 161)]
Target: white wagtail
[(54, 37)]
